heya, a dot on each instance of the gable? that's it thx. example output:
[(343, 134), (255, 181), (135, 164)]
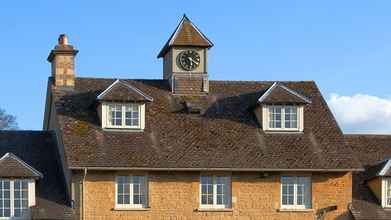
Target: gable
[(186, 34), (13, 166), (278, 93), (122, 91)]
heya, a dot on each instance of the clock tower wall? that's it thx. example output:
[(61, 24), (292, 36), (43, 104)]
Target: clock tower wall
[(176, 68)]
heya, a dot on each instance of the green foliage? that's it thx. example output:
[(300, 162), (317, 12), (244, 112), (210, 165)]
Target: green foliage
[(7, 121)]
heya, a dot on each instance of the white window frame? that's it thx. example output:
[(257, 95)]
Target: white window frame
[(267, 119), (307, 192), (131, 205), (214, 183), (385, 193), (106, 122), (30, 197)]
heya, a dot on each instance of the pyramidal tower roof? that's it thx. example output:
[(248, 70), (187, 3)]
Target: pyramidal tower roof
[(186, 34)]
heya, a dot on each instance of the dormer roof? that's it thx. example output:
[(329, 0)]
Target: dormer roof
[(123, 91), (381, 169), (278, 93), (13, 166), (186, 34)]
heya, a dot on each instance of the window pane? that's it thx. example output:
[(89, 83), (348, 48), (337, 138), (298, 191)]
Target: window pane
[(287, 192), (123, 190), (115, 115), (206, 190), (290, 117), (300, 194), (275, 117), (139, 189), (222, 190), (20, 197), (203, 199), (120, 199), (5, 203), (388, 192), (220, 199), (126, 199), (132, 115)]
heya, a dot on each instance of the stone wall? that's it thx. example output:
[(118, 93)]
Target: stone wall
[(175, 196)]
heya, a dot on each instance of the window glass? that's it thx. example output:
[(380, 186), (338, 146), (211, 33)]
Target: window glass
[(132, 115), (115, 115), (283, 117), (275, 117), (13, 198), (215, 191), (5, 198), (290, 117), (207, 190), (295, 192), (20, 197), (123, 115), (123, 187), (131, 190), (388, 192)]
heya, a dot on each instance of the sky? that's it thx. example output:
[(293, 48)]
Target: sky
[(344, 46)]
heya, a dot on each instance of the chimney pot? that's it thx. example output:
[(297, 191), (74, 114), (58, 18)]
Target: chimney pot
[(63, 39)]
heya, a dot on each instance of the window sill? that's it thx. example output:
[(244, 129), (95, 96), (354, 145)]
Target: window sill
[(123, 129), (213, 210), (294, 210), (283, 131), (130, 209)]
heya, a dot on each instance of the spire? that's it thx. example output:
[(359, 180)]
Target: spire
[(186, 34)]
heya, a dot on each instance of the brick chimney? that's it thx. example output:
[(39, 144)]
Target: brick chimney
[(62, 58)]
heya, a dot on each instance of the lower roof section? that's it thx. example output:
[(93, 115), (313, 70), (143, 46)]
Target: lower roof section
[(38, 149)]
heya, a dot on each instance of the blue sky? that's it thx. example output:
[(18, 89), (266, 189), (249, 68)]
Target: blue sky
[(345, 46)]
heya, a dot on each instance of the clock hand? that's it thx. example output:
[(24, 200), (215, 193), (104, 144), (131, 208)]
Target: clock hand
[(193, 61)]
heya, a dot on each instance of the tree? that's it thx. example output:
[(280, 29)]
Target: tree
[(7, 121)]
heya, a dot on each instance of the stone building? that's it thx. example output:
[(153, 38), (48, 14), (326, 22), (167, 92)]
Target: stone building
[(187, 147)]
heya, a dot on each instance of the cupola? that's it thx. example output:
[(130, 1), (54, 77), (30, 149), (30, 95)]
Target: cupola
[(185, 60)]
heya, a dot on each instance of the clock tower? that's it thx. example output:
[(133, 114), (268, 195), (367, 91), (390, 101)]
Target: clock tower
[(185, 60)]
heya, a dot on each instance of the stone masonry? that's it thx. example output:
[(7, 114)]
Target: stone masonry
[(175, 196)]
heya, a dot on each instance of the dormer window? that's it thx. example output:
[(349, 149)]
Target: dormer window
[(379, 181), (122, 106), (123, 115), (387, 192), (17, 187), (282, 109)]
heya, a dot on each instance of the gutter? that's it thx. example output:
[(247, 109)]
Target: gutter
[(214, 169), (83, 193)]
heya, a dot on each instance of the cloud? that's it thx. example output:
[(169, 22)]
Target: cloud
[(362, 113)]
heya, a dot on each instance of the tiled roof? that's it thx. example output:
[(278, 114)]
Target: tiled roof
[(186, 34), (38, 149), (12, 166), (225, 135), (372, 151)]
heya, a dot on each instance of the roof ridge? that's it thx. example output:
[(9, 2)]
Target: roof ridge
[(264, 81), (115, 78)]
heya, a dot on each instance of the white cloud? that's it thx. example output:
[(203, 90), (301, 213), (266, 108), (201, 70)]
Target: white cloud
[(361, 113)]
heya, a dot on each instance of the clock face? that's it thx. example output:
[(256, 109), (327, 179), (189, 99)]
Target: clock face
[(189, 59)]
